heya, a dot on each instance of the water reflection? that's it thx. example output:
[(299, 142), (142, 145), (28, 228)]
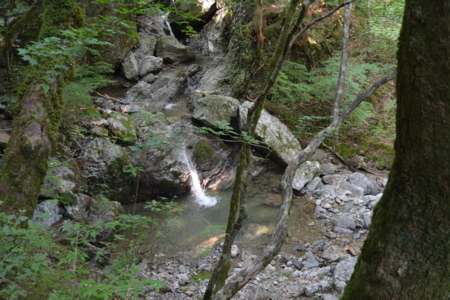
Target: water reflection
[(193, 232)]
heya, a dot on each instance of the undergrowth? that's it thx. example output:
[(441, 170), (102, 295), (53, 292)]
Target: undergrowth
[(35, 266), (88, 77)]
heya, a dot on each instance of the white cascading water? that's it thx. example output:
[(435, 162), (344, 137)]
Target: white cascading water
[(164, 16), (199, 193)]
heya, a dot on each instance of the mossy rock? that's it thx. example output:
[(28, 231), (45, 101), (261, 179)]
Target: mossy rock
[(122, 126), (204, 150)]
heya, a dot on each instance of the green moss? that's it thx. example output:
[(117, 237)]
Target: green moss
[(203, 276), (60, 15), (344, 150), (203, 150)]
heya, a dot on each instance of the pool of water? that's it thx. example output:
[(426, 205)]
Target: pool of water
[(193, 232)]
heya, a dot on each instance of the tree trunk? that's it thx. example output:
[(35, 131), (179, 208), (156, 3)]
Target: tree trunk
[(35, 127), (406, 255)]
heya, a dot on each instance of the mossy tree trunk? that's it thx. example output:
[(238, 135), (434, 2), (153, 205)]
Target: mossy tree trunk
[(407, 252), (35, 127)]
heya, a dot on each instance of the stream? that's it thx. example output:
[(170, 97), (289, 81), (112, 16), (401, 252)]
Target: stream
[(192, 233)]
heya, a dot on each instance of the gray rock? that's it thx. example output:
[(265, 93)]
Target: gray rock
[(95, 210), (109, 105), (342, 230), (183, 279), (234, 251), (329, 169), (344, 269), (325, 285), (312, 289), (329, 191), (314, 184), (47, 212), (97, 156), (331, 179), (345, 222), (121, 42), (329, 297), (324, 271), (130, 67), (210, 109), (154, 97), (347, 207), (305, 173), (171, 51), (319, 213), (59, 179), (310, 260), (353, 189), (152, 25), (146, 45), (273, 133), (149, 64), (295, 290), (334, 253), (150, 78), (362, 181)]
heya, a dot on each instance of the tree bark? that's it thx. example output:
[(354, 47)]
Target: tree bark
[(406, 255), (18, 28), (36, 125)]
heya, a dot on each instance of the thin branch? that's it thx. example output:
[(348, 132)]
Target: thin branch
[(110, 98), (295, 39)]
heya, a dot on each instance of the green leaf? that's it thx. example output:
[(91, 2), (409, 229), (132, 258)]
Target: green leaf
[(45, 87), (135, 149), (50, 79)]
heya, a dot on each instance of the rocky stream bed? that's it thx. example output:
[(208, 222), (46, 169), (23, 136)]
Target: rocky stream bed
[(184, 93), (315, 266)]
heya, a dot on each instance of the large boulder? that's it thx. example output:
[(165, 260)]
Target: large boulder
[(130, 67), (47, 212), (149, 64), (59, 179), (152, 25), (99, 210), (154, 97), (273, 133), (97, 156), (121, 126), (172, 51), (146, 45), (210, 109)]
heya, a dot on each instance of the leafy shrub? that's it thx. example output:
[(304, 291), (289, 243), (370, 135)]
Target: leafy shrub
[(33, 266)]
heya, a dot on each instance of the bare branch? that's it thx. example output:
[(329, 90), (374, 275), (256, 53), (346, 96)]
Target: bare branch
[(295, 39)]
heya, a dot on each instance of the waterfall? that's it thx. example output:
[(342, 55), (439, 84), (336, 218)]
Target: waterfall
[(199, 193), (166, 20)]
